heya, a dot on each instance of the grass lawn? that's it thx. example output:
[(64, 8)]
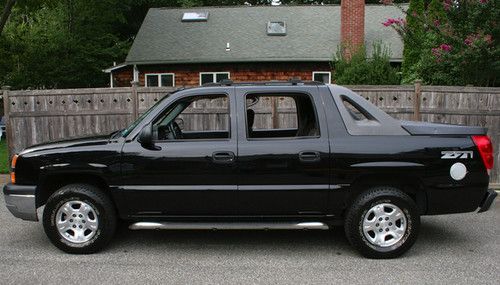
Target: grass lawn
[(4, 157)]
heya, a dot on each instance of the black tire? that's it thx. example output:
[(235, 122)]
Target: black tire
[(370, 198), (101, 205)]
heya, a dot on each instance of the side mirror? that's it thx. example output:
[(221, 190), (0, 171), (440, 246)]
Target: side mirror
[(146, 136)]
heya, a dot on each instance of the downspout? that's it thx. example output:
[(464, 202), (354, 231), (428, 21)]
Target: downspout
[(136, 74)]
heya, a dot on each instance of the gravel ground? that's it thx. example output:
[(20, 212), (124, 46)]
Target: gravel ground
[(452, 249)]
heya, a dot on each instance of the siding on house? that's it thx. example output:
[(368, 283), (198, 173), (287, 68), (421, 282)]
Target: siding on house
[(188, 74), (123, 77)]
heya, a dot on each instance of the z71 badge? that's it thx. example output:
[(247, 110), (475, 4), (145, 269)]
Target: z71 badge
[(456, 154)]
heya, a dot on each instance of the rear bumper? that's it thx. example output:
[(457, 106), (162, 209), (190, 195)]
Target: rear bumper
[(20, 200), (488, 199)]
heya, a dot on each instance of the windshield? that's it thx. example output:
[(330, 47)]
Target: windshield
[(127, 131)]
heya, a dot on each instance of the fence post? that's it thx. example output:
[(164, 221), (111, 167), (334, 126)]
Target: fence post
[(8, 126), (417, 100), (274, 112), (135, 100)]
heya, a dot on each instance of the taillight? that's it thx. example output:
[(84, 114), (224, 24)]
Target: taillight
[(13, 169), (485, 148)]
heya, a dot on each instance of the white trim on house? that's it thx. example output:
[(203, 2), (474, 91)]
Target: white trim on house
[(111, 85), (215, 75), (113, 68), (159, 79), (136, 74), (329, 75)]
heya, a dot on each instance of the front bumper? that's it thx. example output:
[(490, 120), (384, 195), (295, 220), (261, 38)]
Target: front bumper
[(487, 200), (20, 200)]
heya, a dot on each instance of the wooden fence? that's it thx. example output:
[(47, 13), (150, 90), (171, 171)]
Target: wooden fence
[(37, 116)]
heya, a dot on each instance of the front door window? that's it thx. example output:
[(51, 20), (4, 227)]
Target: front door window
[(194, 118)]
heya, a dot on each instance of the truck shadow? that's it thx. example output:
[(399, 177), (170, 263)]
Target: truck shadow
[(231, 241), (432, 235)]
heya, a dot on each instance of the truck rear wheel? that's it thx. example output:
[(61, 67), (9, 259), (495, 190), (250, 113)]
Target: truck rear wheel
[(79, 218), (382, 222)]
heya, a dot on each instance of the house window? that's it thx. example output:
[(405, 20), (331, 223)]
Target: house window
[(213, 77), (195, 17), (160, 80), (322, 76), (276, 28)]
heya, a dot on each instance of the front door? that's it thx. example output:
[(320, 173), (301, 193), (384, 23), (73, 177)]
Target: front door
[(283, 152), (192, 170)]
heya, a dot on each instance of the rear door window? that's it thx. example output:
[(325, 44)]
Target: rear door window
[(280, 116)]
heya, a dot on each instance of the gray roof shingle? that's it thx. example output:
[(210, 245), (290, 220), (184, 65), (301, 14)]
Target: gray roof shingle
[(313, 34)]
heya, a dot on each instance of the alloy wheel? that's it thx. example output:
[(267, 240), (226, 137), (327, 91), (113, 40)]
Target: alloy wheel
[(384, 224)]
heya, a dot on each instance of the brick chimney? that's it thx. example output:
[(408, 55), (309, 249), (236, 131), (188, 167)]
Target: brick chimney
[(352, 23)]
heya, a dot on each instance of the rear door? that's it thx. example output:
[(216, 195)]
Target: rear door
[(283, 151)]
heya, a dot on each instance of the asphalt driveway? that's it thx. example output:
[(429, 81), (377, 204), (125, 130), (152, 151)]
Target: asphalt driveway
[(462, 248)]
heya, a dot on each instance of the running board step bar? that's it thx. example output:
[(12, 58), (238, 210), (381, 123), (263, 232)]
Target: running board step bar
[(228, 226)]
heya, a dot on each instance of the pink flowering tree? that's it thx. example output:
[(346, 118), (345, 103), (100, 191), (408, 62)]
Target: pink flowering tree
[(450, 42)]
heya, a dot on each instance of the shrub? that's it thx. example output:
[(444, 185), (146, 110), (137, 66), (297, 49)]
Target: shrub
[(358, 69)]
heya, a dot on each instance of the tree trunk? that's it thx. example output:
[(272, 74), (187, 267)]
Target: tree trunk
[(6, 13)]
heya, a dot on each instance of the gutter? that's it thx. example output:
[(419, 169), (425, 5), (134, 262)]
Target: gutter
[(114, 67)]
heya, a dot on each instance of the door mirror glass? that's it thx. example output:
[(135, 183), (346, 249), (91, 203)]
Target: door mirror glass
[(146, 136)]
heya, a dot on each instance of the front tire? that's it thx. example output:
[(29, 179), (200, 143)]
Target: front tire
[(382, 222), (79, 218)]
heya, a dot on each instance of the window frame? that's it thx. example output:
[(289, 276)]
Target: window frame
[(228, 97), (214, 74), (329, 75), (282, 94), (159, 79)]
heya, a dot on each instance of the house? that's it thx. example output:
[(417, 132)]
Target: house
[(193, 46)]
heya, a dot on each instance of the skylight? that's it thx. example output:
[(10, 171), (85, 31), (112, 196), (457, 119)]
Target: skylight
[(195, 17), (276, 28)]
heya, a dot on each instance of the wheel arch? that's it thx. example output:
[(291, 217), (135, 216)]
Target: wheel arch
[(51, 183), (410, 185)]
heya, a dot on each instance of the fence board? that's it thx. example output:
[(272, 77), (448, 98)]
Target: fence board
[(37, 116)]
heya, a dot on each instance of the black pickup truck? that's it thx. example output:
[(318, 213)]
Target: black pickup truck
[(339, 160)]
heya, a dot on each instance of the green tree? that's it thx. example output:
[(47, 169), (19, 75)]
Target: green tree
[(436, 13), (460, 48), (412, 44), (65, 45), (6, 6), (7, 9)]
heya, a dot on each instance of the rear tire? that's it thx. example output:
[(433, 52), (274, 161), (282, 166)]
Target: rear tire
[(79, 218), (383, 222)]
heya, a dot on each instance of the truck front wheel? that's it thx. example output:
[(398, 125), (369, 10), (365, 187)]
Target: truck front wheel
[(79, 218), (383, 222)]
